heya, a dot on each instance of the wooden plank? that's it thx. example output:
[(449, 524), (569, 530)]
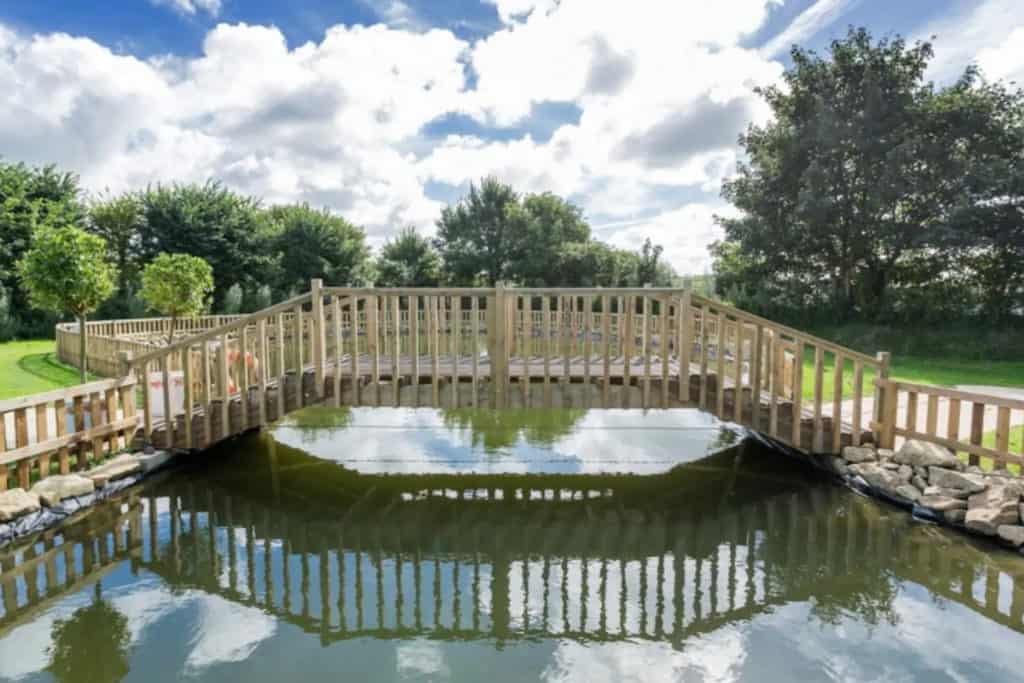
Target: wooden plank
[(206, 379), (857, 419), (456, 347), (279, 329), (953, 420), (372, 332), (42, 430), (911, 415), (396, 350), (60, 410), (606, 341), (224, 382), (20, 444), (474, 311), (66, 394), (756, 361), (775, 369), (627, 354), (646, 333), (260, 365), (684, 322), (96, 417), (436, 350), (300, 361), (704, 340), (798, 390), (975, 451), (243, 372), (932, 418), (81, 455), (819, 382), (838, 368), (339, 347), (885, 436), (546, 307), (588, 342), (318, 342), (1003, 432), (186, 367), (562, 344), (737, 361), (720, 366)]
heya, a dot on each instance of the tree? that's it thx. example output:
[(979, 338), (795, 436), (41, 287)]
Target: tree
[(409, 260), (857, 181), (31, 198), (552, 226), (225, 229), (91, 644), (316, 244), (66, 270), (177, 286), (484, 236), (119, 221)]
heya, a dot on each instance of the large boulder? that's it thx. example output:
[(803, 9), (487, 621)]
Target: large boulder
[(996, 496), (1012, 534), (987, 520), (877, 476), (959, 481), (53, 490), (858, 454), (119, 467), (17, 502), (153, 461), (925, 454), (908, 492)]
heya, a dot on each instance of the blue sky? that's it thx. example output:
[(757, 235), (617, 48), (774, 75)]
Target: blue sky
[(384, 110)]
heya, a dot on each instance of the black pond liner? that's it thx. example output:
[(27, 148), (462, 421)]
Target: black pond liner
[(47, 517)]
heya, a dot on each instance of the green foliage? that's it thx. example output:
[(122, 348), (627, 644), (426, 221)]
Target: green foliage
[(66, 271), (409, 260), (7, 326), (177, 286), (225, 229), (315, 243), (119, 221), (233, 300), (873, 193)]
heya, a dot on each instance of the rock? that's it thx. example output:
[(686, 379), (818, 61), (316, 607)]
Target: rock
[(987, 520), (153, 460), (119, 467), (1022, 511), (909, 492), (877, 476), (905, 472), (1012, 534), (955, 516), (996, 496), (838, 465), (53, 490), (931, 490), (925, 454), (942, 503), (857, 454), (919, 482), (884, 453), (974, 469), (921, 471), (889, 465), (17, 502), (951, 479)]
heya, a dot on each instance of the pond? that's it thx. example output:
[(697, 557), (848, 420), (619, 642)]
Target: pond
[(415, 545)]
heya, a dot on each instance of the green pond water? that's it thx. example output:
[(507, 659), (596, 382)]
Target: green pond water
[(423, 545)]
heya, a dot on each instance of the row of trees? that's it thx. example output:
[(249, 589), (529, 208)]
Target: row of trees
[(260, 254), (875, 194)]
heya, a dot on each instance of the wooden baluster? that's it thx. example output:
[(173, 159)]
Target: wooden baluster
[(318, 343), (684, 344), (82, 454), (737, 357), (372, 348), (42, 413), (260, 365), (396, 350), (756, 378), (858, 398), (300, 363), (1002, 435), (279, 332), (206, 395), (546, 303), (627, 342), (881, 396), (414, 348), (96, 418), (911, 424), (475, 330), (798, 390), (60, 410), (720, 366), (774, 370), (186, 366), (435, 308), (977, 429), (819, 390), (455, 347), (645, 341), (225, 388), (588, 341), (527, 347), (704, 339), (837, 402), (21, 441), (562, 344), (606, 341), (243, 371)]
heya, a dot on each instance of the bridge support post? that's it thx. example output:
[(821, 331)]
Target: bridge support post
[(885, 404), (319, 341)]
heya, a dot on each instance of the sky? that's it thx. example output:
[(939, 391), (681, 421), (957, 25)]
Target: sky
[(385, 110)]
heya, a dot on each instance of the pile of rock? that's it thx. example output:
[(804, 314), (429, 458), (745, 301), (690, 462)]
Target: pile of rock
[(50, 492), (929, 476)]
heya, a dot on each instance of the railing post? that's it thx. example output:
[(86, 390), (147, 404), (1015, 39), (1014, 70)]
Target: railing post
[(319, 341), (499, 364), (124, 363), (885, 435)]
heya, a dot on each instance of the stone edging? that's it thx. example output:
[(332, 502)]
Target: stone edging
[(52, 499), (936, 485)]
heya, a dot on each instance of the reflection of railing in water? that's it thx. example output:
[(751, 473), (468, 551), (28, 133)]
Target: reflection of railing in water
[(557, 571), (63, 561)]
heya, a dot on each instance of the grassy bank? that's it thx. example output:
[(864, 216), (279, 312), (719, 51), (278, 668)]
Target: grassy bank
[(29, 367)]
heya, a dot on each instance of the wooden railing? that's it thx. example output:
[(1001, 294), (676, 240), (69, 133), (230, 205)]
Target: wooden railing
[(88, 422), (958, 420)]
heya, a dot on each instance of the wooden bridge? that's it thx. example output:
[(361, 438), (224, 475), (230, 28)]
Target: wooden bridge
[(485, 347)]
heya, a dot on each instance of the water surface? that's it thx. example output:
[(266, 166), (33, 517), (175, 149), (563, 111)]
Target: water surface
[(384, 545)]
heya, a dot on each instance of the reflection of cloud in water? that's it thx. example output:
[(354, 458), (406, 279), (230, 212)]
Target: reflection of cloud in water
[(226, 632), (421, 659), (509, 442)]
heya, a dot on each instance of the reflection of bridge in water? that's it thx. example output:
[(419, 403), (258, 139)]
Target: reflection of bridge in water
[(630, 563)]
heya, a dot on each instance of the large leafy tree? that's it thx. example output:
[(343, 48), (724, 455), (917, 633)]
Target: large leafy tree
[(119, 220), (853, 184), (482, 238), (177, 286), (552, 225), (225, 229), (66, 271), (409, 260), (315, 243), (30, 198)]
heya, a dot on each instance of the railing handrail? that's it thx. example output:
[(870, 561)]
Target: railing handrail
[(947, 392), (73, 392)]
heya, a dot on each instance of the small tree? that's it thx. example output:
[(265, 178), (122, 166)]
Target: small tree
[(178, 286), (66, 270)]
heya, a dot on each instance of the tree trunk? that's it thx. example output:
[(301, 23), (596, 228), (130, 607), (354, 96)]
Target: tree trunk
[(82, 362)]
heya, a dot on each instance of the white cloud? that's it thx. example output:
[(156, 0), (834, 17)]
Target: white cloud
[(1006, 60), (192, 7), (819, 15), (980, 32)]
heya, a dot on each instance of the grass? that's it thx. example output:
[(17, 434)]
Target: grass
[(31, 367)]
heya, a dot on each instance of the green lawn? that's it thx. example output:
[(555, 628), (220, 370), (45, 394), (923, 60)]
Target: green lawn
[(30, 367)]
